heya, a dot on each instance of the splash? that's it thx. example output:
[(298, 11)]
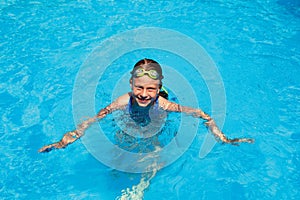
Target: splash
[(136, 192)]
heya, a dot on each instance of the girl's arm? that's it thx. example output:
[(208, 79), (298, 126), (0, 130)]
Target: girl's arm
[(210, 123), (72, 136)]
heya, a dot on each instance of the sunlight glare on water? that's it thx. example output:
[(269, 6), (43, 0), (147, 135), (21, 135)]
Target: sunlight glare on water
[(255, 45)]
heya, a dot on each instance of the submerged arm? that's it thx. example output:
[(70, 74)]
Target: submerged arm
[(174, 107), (221, 136), (72, 136), (210, 123)]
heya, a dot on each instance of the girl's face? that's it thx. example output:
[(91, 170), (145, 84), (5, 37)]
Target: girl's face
[(144, 90)]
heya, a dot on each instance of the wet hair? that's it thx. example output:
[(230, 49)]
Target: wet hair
[(148, 64)]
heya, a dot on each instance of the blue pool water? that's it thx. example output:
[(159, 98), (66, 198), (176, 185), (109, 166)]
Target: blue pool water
[(254, 44)]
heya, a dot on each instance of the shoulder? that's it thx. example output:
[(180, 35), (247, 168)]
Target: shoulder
[(120, 103), (163, 102), (122, 100), (169, 105)]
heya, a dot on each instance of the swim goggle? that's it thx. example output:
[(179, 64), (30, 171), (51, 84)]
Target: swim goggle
[(151, 73)]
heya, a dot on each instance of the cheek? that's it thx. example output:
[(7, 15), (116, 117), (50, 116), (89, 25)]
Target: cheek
[(135, 92), (153, 93)]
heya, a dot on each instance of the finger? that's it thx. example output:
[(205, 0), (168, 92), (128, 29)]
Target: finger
[(47, 148), (250, 140), (208, 123), (240, 140)]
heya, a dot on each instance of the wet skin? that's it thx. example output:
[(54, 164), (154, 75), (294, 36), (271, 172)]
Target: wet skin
[(144, 90)]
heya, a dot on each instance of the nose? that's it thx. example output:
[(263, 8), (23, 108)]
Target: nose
[(144, 93)]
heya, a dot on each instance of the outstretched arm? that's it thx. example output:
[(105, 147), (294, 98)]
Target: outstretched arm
[(72, 136), (221, 136), (210, 123)]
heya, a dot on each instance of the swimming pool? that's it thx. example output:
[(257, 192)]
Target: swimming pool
[(254, 46)]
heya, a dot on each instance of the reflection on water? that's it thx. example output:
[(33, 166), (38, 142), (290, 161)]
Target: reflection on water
[(132, 137), (143, 139), (136, 192)]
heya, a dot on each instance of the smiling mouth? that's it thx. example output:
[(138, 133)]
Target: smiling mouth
[(143, 100)]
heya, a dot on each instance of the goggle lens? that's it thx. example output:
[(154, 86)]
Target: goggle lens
[(151, 73)]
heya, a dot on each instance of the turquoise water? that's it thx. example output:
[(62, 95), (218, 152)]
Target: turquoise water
[(255, 46)]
